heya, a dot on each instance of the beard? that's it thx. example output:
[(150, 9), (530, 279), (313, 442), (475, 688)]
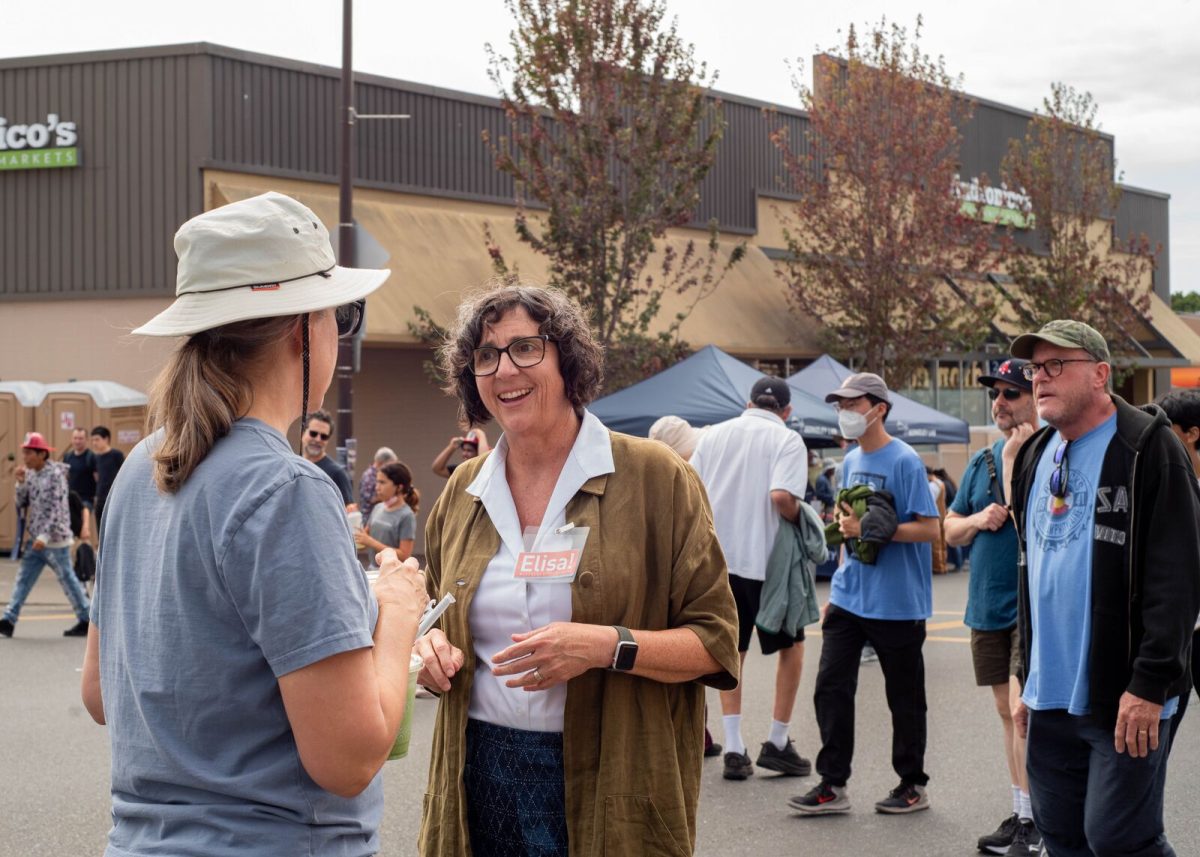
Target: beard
[(314, 450)]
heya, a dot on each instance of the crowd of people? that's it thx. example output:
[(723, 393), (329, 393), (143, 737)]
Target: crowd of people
[(253, 678)]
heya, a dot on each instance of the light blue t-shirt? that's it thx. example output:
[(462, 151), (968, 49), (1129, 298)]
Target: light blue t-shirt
[(204, 599), (1058, 534), (900, 584)]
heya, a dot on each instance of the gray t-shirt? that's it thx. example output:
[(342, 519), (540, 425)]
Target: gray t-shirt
[(391, 527), (204, 599)]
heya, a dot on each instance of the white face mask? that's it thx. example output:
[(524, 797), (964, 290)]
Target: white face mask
[(852, 424)]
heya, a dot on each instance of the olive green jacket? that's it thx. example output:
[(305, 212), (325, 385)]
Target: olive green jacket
[(631, 746)]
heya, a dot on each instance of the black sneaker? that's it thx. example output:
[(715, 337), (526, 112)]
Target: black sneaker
[(79, 629), (824, 799), (786, 761), (713, 749), (6, 627), (906, 797), (737, 766), (998, 842), (1026, 841)]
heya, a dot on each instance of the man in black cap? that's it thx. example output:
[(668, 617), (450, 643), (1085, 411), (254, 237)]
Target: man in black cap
[(1105, 504), (755, 469), (979, 517)]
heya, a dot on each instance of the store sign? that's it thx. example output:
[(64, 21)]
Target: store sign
[(997, 205), (38, 146)]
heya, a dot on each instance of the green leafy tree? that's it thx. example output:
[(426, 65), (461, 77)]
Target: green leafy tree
[(880, 232), (1185, 302), (1077, 267), (611, 130)]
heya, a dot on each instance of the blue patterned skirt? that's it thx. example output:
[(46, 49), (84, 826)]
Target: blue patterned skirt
[(516, 799)]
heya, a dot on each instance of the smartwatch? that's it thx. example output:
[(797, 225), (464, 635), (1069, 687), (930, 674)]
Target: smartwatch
[(627, 649)]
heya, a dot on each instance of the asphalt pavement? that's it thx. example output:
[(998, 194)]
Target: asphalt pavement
[(54, 782)]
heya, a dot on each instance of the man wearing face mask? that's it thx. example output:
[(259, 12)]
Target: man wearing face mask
[(884, 604)]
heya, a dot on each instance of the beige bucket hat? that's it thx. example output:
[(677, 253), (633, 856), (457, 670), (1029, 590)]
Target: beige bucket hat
[(258, 258)]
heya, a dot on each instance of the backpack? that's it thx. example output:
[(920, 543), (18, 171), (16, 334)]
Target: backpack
[(85, 563), (75, 508)]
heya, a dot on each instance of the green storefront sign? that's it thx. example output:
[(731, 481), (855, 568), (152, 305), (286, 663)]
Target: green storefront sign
[(39, 159), (997, 205)]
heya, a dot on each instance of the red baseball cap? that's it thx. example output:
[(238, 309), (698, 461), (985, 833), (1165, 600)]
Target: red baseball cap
[(34, 440)]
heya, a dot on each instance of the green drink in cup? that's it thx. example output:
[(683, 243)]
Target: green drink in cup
[(400, 747)]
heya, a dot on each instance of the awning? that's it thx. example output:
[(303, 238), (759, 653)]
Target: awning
[(438, 254)]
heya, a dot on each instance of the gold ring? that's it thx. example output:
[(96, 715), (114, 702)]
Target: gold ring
[(1141, 731), (537, 676)]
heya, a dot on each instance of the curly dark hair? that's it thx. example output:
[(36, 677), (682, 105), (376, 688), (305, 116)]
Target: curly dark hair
[(580, 357)]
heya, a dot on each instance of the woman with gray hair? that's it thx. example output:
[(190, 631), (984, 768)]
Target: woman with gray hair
[(366, 486), (593, 605)]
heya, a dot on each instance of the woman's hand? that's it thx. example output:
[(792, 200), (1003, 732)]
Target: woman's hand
[(442, 660), (362, 538), (555, 653), (401, 585)]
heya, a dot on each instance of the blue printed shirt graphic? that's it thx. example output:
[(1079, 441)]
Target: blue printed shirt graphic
[(1059, 535), (900, 584)]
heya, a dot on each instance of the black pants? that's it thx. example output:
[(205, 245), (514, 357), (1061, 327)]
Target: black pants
[(1089, 800), (898, 644)]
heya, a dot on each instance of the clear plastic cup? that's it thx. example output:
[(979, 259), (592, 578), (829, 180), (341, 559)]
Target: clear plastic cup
[(400, 747)]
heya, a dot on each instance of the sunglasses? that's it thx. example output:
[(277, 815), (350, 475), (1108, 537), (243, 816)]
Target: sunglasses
[(349, 318), (313, 433), (1060, 475), (1010, 394)]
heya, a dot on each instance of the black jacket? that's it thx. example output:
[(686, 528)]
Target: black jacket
[(1145, 561)]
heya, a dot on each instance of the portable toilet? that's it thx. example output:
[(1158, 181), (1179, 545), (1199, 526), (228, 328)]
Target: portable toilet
[(19, 401), (87, 404)]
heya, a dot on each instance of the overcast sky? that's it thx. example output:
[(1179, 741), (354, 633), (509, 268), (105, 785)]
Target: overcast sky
[(1140, 60)]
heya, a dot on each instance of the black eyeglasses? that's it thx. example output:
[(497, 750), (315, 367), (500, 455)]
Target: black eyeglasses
[(1053, 368), (314, 434), (524, 352), (1010, 394), (1060, 475), (349, 318)]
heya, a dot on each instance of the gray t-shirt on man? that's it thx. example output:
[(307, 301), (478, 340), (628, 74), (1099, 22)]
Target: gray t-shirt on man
[(204, 599)]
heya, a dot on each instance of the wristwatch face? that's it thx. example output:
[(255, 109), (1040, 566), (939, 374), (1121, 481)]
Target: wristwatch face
[(626, 655)]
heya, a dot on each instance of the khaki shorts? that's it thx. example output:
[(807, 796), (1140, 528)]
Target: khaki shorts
[(996, 655)]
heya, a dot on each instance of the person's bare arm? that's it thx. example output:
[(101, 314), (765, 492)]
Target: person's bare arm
[(363, 687), (921, 530), (961, 530), (90, 683), (786, 504), (443, 458)]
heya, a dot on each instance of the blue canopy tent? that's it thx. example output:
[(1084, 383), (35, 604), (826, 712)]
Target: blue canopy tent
[(706, 388), (910, 421)]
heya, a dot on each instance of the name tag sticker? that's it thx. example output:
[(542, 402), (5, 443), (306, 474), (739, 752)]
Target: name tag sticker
[(551, 557)]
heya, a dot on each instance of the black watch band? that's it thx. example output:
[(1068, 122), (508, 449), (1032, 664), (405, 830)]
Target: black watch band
[(626, 652)]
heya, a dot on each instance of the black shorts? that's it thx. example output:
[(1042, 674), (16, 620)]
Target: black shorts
[(747, 594)]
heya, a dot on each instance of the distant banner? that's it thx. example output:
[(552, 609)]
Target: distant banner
[(39, 159)]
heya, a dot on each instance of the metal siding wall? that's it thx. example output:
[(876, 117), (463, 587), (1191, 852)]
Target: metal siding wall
[(1149, 214), (105, 226)]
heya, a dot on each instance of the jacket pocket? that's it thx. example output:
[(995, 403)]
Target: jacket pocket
[(634, 827)]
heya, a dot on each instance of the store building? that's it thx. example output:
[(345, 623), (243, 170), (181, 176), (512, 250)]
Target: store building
[(103, 155)]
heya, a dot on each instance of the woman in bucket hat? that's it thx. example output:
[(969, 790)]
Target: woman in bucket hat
[(252, 682)]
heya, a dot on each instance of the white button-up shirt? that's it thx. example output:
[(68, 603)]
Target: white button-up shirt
[(504, 605), (741, 461)]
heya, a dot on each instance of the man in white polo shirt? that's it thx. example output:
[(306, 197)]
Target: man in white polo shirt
[(755, 470)]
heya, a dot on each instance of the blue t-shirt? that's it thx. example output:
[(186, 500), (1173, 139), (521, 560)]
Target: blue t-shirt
[(1059, 534), (900, 584), (992, 586), (204, 599)]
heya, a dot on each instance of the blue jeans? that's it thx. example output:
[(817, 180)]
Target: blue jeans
[(32, 564), (1088, 800)]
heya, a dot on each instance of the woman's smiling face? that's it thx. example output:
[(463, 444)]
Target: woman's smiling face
[(521, 399)]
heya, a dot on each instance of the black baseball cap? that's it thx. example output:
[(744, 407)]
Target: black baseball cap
[(776, 388), (1010, 372)]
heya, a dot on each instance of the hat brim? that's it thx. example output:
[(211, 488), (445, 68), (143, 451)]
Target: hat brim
[(845, 393), (990, 381), (197, 311)]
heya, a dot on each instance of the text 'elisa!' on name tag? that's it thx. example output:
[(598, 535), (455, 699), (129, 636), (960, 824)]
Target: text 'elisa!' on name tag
[(547, 565)]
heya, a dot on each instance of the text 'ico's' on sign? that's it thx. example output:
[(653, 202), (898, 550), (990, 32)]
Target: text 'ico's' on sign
[(38, 145)]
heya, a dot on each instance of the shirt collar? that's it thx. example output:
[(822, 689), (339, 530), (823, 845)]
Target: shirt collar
[(591, 453), (763, 414)]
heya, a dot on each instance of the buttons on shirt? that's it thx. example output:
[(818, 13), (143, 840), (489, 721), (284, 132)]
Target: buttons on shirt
[(462, 581), (587, 579)]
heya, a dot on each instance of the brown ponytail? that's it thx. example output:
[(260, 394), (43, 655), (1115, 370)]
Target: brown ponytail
[(399, 475), (206, 386)]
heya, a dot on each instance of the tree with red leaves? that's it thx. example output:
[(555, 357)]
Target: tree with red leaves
[(611, 131), (880, 231)]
